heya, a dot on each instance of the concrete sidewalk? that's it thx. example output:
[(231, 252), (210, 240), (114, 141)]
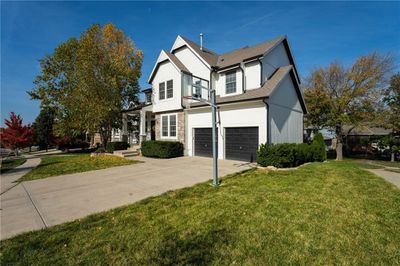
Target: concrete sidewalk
[(41, 203), (8, 179), (389, 176)]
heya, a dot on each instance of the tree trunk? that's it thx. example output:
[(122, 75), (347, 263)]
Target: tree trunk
[(392, 157), (105, 134), (339, 144)]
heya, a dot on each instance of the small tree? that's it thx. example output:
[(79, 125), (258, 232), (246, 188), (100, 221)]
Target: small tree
[(393, 143), (43, 126), (337, 96), (16, 135)]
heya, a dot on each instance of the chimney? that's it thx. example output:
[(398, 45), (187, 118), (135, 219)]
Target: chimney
[(201, 41)]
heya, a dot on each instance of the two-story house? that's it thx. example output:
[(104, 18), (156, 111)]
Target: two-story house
[(258, 96)]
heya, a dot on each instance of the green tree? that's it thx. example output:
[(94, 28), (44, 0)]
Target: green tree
[(43, 126), (337, 96), (392, 142), (392, 100), (90, 80)]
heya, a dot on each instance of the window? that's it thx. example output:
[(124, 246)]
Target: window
[(168, 126), (148, 97), (170, 89), (172, 125), (230, 79), (161, 88), (197, 91), (164, 126)]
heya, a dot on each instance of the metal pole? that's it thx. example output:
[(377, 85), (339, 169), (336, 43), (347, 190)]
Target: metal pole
[(214, 139)]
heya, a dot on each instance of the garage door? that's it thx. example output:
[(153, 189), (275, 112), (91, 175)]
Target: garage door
[(203, 142), (241, 143)]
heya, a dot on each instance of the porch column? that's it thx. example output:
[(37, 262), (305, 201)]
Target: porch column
[(148, 129), (124, 133), (142, 126)]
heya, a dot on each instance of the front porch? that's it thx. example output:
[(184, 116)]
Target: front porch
[(138, 124)]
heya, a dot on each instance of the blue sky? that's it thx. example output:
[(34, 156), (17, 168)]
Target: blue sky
[(319, 33)]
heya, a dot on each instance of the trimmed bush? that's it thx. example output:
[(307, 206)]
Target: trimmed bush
[(100, 150), (319, 148), (161, 149), (292, 155), (117, 145), (72, 144)]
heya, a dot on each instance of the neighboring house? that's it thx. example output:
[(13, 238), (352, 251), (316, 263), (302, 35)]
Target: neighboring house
[(258, 95), (363, 139)]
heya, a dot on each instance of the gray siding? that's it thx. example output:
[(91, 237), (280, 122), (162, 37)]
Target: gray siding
[(286, 115)]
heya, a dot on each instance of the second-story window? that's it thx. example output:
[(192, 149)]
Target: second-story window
[(148, 97), (197, 91), (170, 89), (230, 82), (161, 90)]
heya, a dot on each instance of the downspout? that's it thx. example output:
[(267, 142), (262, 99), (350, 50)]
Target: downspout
[(241, 66), (268, 122), (261, 71)]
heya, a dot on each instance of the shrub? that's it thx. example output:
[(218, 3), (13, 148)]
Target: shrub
[(161, 149), (318, 148), (100, 150), (291, 155), (280, 155), (72, 144), (117, 145)]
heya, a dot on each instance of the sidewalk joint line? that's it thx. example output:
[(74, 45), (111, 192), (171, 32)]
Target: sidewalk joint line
[(34, 205)]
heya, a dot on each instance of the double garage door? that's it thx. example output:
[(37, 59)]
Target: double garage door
[(241, 143)]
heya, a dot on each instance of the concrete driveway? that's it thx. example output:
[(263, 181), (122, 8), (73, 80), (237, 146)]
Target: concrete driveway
[(37, 204)]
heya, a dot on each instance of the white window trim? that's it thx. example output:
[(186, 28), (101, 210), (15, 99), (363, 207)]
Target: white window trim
[(169, 128), (236, 85), (159, 91), (166, 89)]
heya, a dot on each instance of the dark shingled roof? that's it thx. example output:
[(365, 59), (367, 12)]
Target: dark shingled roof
[(365, 131), (209, 56), (236, 56), (247, 52)]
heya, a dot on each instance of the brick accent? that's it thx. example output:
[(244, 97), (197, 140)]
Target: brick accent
[(180, 130)]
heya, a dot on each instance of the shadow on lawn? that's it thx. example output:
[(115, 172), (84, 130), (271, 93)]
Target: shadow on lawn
[(194, 248)]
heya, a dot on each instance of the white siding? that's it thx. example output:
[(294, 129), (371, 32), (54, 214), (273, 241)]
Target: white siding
[(167, 71), (250, 114), (273, 60), (193, 63), (286, 115), (252, 74), (219, 80)]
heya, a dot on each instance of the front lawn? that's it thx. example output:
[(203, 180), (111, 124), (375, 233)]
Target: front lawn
[(8, 164), (74, 163), (323, 213)]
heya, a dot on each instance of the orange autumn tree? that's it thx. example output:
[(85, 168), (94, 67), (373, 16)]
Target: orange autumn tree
[(16, 135)]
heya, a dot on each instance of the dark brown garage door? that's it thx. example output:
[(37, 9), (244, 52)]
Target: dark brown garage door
[(203, 142), (241, 143)]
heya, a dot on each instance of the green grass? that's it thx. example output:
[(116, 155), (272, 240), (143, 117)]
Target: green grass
[(8, 164), (321, 214), (76, 163)]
